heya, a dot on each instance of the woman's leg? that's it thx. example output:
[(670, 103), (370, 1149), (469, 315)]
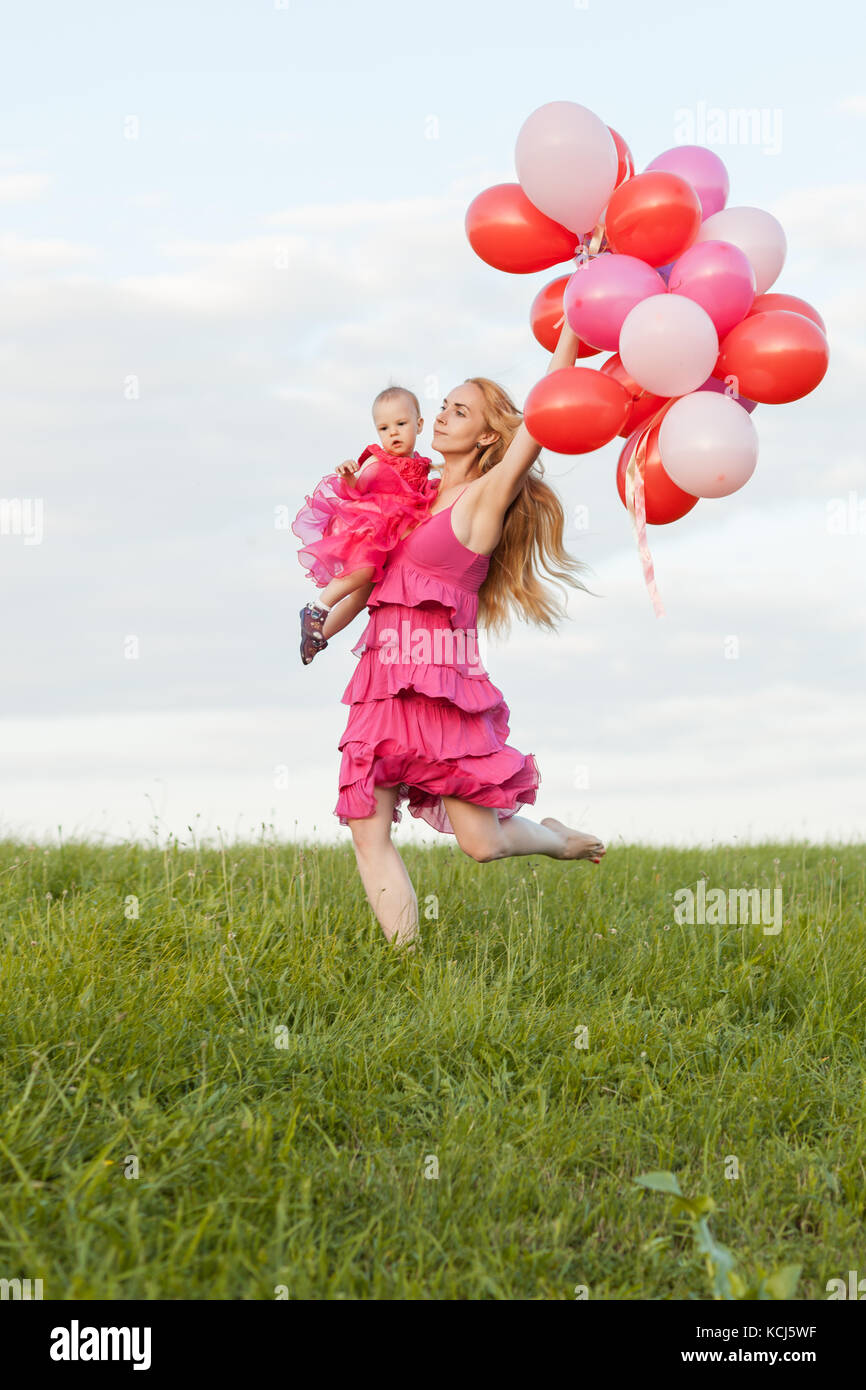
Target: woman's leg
[(483, 836), (346, 584), (342, 613), (387, 884)]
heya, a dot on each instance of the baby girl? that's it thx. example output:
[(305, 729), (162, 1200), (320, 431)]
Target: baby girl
[(357, 515)]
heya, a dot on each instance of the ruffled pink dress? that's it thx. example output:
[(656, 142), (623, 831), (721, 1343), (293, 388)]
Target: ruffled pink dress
[(424, 714), (348, 524)]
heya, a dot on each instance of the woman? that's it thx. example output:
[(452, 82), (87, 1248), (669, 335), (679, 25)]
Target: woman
[(425, 721)]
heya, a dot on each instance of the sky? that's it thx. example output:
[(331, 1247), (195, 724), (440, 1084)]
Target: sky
[(223, 228)]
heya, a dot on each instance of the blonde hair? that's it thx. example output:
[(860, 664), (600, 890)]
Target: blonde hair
[(531, 534), (391, 391)]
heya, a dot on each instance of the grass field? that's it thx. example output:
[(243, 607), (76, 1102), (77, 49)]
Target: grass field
[(284, 1084)]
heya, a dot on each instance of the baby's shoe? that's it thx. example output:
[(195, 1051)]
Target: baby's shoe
[(312, 641)]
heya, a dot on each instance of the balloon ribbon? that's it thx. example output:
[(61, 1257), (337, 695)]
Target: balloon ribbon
[(635, 498), (635, 501), (591, 245)]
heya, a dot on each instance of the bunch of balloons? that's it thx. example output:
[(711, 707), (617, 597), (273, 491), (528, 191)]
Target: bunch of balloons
[(669, 280)]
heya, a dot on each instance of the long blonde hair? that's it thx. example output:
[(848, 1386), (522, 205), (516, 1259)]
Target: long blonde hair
[(531, 534)]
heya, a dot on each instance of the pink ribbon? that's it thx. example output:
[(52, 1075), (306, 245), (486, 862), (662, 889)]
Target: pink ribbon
[(635, 501), (591, 246)]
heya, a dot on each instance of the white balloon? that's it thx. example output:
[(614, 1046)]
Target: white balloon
[(668, 344), (758, 234), (708, 444), (567, 163)]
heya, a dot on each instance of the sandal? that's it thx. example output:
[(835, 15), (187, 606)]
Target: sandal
[(312, 641)]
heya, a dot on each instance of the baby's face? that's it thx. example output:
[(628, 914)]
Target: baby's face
[(396, 425)]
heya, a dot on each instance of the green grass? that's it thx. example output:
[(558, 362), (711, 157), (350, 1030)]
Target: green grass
[(304, 1165)]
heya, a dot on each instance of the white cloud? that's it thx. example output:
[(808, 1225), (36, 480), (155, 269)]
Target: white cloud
[(854, 105), (37, 254), (22, 188), (674, 770), (825, 217), (258, 358), (362, 213), (156, 199)]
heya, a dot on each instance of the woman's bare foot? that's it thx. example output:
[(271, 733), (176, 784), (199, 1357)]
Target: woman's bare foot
[(575, 845)]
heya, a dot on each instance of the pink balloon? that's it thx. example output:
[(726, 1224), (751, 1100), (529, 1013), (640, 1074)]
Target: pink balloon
[(602, 291), (757, 232), (708, 445), (719, 277), (712, 383), (702, 169), (668, 345), (567, 163)]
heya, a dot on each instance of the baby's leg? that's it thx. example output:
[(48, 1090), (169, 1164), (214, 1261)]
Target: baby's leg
[(345, 584), (342, 614)]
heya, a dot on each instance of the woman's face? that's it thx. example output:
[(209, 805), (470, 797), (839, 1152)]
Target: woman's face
[(460, 424)]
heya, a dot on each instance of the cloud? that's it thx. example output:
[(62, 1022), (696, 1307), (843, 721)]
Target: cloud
[(22, 188), (257, 358), (157, 199), (824, 217), (363, 213), (854, 105), (676, 770), (27, 255)]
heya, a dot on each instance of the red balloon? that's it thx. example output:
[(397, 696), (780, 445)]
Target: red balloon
[(509, 232), (764, 302), (625, 168), (643, 404), (654, 216), (776, 356), (575, 410), (547, 312), (664, 501)]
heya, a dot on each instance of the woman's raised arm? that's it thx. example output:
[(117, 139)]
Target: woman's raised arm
[(503, 483)]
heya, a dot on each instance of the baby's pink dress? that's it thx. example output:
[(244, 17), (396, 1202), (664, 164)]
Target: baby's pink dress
[(424, 714), (348, 524)]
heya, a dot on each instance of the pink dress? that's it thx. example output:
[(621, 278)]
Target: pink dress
[(348, 524), (424, 714)]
